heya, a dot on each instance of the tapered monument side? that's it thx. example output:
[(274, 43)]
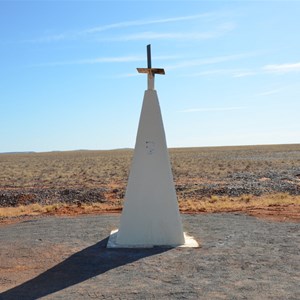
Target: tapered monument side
[(150, 215)]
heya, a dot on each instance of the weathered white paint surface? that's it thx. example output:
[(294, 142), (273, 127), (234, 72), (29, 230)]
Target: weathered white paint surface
[(150, 215)]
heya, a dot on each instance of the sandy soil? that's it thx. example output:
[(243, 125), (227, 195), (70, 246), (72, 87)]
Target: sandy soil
[(281, 213)]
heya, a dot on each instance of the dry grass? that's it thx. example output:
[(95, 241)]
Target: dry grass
[(212, 204), (58, 209), (217, 163), (225, 203), (28, 210), (86, 169), (91, 169)]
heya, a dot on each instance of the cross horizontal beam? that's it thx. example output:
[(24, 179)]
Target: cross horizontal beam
[(150, 71)]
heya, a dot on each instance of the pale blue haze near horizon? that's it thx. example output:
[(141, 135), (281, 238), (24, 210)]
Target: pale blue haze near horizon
[(68, 75)]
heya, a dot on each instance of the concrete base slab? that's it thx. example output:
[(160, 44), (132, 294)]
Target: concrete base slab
[(190, 242)]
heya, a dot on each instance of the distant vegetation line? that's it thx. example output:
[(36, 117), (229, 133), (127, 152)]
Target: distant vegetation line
[(170, 148)]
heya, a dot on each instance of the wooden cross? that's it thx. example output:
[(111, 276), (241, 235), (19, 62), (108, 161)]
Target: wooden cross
[(150, 71)]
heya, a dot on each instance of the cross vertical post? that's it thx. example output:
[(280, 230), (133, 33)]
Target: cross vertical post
[(150, 71), (149, 56)]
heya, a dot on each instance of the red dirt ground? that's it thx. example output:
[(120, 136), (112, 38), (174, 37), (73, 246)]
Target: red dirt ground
[(288, 213)]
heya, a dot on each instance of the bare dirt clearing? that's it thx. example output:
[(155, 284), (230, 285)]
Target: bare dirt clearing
[(241, 257)]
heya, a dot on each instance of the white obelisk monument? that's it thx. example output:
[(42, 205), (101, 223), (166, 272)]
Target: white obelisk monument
[(150, 216)]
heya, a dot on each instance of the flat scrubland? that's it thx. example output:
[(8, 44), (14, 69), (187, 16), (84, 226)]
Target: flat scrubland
[(255, 179)]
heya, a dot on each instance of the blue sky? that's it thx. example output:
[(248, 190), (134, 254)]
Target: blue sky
[(68, 75)]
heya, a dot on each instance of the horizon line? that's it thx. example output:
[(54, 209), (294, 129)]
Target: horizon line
[(129, 148)]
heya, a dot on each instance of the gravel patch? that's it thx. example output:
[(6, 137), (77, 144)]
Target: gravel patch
[(240, 257), (17, 197)]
